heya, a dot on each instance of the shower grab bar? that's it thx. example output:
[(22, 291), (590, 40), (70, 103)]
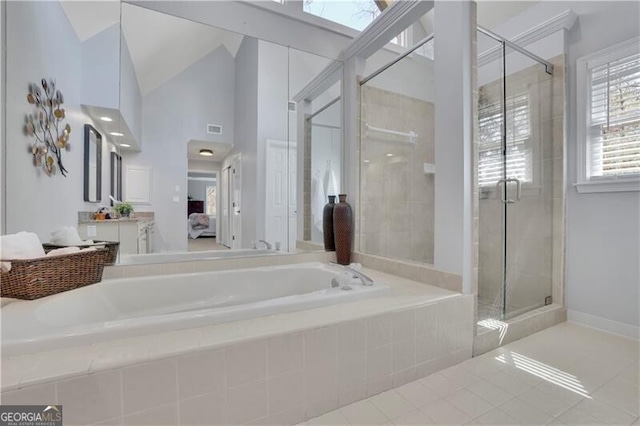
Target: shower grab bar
[(548, 66), (411, 135)]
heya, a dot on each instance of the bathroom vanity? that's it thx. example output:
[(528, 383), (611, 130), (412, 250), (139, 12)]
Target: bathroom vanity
[(135, 235)]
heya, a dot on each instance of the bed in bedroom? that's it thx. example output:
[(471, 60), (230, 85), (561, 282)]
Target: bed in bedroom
[(201, 225)]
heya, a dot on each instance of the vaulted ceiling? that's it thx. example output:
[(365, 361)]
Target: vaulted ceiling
[(161, 46)]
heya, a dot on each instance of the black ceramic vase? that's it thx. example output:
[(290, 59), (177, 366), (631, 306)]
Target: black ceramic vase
[(327, 224), (343, 230)]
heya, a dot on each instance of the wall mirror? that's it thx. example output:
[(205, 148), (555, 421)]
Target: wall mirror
[(92, 164), (116, 177), (177, 102), (224, 163), (323, 168)]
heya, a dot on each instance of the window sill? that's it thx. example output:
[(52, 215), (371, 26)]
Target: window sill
[(617, 185)]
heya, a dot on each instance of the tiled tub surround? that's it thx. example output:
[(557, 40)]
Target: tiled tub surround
[(535, 225), (132, 307), (415, 271), (280, 369), (396, 195)]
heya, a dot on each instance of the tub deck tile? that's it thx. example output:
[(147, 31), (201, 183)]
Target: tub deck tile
[(46, 367)]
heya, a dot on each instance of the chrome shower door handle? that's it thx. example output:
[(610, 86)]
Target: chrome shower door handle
[(518, 188), (504, 189)]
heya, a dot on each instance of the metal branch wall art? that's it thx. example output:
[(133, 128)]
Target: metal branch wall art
[(46, 126)]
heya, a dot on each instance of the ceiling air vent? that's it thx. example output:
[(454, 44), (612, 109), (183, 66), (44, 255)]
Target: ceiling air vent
[(292, 106), (214, 129)]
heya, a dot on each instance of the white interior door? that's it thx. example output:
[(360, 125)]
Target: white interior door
[(236, 197), (276, 209)]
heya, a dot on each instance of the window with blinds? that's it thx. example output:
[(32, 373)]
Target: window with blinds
[(211, 201), (518, 160), (614, 118)]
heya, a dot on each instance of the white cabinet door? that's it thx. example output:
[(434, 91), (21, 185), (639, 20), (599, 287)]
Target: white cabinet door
[(137, 184)]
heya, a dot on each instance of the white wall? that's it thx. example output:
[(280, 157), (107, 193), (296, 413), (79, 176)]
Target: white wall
[(173, 114), (603, 230), (203, 166), (101, 81), (36, 202), (197, 188), (130, 96)]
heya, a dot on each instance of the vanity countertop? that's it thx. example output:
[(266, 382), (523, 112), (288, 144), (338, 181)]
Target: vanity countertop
[(127, 219)]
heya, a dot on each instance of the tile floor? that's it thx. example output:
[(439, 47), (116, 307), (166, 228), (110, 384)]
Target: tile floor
[(205, 244), (567, 374)]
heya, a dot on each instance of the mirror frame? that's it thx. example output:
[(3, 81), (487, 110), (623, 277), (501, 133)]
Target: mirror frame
[(88, 129), (116, 180)]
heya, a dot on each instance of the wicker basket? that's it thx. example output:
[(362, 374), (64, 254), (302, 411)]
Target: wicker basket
[(111, 255), (35, 278)]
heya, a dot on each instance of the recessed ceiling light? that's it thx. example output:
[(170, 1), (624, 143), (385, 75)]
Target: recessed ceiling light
[(389, 155), (116, 134), (107, 119), (125, 145), (367, 161), (206, 153)]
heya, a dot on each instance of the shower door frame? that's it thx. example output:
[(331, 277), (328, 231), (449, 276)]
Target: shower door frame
[(505, 180)]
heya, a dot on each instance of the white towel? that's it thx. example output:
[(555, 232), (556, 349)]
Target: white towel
[(68, 236), (330, 182), (318, 200), (69, 250), (23, 245), (63, 251)]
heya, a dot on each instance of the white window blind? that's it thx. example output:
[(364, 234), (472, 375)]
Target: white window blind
[(614, 127), (518, 152)]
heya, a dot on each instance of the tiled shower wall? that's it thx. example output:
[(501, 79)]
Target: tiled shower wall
[(396, 195), (535, 225), (280, 380)]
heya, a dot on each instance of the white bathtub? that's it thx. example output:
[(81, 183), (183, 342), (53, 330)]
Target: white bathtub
[(130, 307), (129, 259)]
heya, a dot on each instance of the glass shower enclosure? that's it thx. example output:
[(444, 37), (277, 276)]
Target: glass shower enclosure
[(519, 176)]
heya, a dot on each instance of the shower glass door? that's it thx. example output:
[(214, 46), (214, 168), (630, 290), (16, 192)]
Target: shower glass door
[(526, 188), (515, 182)]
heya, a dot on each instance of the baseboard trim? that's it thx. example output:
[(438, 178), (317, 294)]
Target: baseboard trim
[(604, 324)]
